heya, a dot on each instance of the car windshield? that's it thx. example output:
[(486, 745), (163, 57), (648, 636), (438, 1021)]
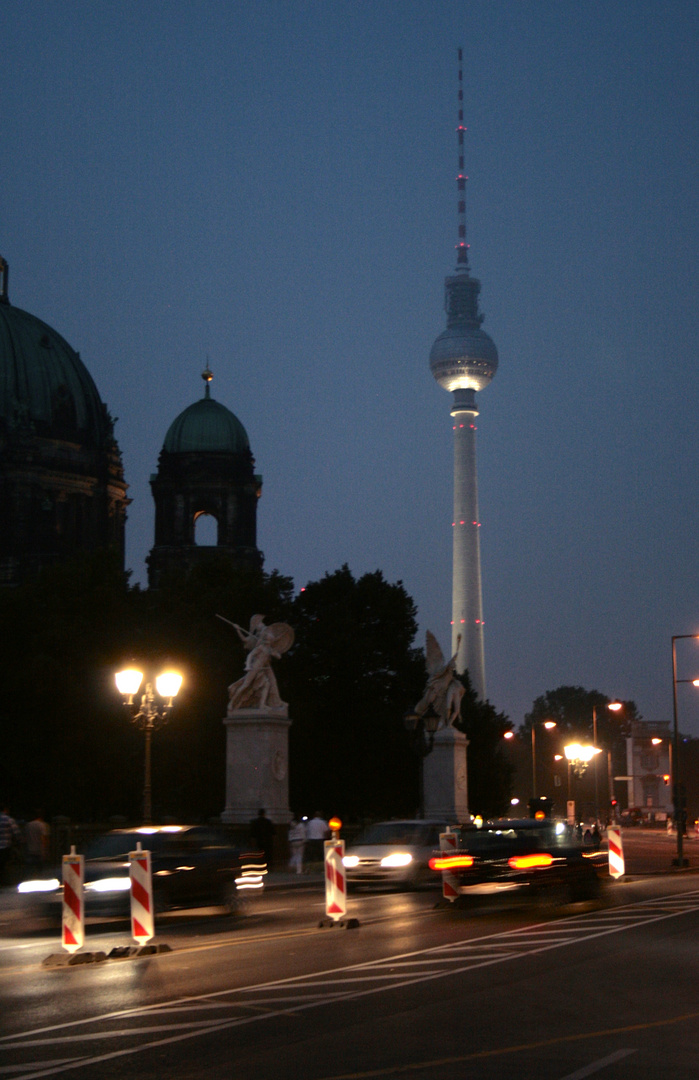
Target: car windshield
[(492, 838), (118, 845), (393, 833)]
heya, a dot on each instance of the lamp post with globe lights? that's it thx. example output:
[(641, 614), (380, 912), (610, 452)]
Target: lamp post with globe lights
[(548, 725), (579, 757), (150, 715), (613, 706), (678, 798)]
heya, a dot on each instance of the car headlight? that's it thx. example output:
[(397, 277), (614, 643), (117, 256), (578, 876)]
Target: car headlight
[(350, 860), (109, 884), (47, 885), (399, 858)]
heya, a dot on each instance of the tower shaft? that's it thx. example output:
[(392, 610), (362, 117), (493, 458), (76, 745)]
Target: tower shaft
[(467, 599)]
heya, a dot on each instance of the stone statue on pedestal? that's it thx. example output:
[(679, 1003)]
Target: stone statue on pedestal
[(257, 728), (445, 779), (258, 687), (443, 691)]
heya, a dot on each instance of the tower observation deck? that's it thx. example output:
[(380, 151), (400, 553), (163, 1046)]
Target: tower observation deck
[(463, 360)]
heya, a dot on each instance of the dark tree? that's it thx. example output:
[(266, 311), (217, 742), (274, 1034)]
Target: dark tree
[(571, 707), (351, 676), (68, 744), (490, 771)]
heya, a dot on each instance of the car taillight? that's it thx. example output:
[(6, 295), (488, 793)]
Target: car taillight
[(529, 862), (450, 862)]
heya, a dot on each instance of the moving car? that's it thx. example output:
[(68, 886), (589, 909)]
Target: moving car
[(394, 853), (540, 858), (192, 866)]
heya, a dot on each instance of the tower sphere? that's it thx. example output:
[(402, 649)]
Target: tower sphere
[(463, 357)]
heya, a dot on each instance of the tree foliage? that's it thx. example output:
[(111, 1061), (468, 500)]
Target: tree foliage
[(490, 771), (351, 676), (571, 707)]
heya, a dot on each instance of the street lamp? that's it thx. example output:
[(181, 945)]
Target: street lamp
[(548, 725), (151, 714), (422, 727), (613, 706), (579, 757), (677, 794)]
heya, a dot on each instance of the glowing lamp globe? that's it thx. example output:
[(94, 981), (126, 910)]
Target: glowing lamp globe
[(128, 681), (168, 684)]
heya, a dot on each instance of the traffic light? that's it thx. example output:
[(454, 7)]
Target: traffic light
[(615, 803)]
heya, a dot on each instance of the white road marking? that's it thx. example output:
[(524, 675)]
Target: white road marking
[(303, 992), (597, 1066)]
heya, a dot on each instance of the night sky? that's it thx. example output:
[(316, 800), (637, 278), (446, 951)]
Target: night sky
[(269, 186)]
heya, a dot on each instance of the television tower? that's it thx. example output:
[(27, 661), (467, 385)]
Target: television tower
[(463, 360)]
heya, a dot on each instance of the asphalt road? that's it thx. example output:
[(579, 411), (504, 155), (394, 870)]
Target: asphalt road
[(415, 991)]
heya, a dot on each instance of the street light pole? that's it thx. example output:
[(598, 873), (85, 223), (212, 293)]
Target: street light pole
[(677, 797), (149, 716), (548, 724)]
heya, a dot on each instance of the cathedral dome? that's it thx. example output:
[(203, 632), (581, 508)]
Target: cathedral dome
[(44, 385), (206, 426), (62, 489)]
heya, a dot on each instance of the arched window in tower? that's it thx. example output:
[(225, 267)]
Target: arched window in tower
[(205, 530)]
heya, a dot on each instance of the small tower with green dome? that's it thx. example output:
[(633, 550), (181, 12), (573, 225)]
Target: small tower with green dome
[(205, 468)]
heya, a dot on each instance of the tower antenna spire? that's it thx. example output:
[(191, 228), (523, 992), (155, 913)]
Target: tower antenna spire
[(461, 178)]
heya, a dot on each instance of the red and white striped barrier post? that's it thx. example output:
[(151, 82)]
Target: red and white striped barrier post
[(142, 928), (335, 876), (616, 852), (448, 843), (73, 923)]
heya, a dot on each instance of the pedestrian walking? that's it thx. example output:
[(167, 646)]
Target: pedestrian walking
[(36, 841), (262, 835), (10, 837), (297, 844), (316, 832)]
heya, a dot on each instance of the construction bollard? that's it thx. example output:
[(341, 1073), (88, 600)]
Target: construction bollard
[(73, 922), (616, 852), (142, 927), (448, 843)]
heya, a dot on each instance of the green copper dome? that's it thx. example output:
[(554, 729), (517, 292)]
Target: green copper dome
[(44, 385), (206, 426)]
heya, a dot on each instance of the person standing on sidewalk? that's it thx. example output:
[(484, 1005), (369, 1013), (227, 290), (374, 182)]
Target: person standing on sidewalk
[(10, 837), (316, 832), (297, 843)]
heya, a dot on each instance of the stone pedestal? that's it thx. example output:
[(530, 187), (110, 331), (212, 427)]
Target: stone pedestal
[(445, 781), (257, 765)]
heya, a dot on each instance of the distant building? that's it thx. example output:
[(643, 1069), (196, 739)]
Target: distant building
[(205, 471), (649, 769), (62, 489)]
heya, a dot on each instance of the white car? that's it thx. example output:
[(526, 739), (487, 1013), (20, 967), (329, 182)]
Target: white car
[(395, 853)]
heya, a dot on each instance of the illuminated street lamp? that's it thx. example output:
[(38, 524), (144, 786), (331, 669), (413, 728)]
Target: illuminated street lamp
[(677, 792), (548, 725), (613, 706), (151, 714), (579, 757)]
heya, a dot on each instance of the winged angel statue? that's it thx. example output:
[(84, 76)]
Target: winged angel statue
[(258, 689), (443, 691)]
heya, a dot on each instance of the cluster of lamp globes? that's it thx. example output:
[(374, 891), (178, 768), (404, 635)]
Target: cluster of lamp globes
[(129, 681)]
